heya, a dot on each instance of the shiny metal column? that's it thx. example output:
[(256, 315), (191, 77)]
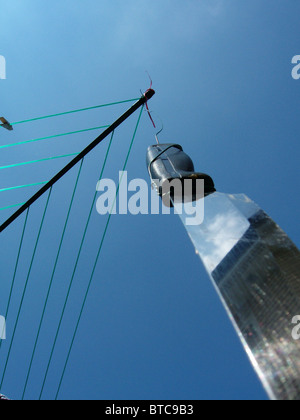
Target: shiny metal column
[(255, 269)]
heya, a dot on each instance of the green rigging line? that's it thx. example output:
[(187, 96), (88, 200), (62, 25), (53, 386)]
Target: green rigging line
[(22, 186), (11, 206), (37, 161), (74, 111), (52, 276), (16, 268), (97, 257), (25, 287), (73, 274), (52, 137)]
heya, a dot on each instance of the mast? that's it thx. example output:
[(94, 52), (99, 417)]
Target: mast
[(142, 101)]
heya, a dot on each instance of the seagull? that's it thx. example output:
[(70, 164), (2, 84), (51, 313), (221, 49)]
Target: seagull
[(6, 124)]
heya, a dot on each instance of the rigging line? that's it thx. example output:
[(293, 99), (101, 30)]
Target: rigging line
[(52, 137), (74, 111), (22, 186), (25, 287), (11, 206), (37, 161), (15, 269), (52, 277), (146, 97), (98, 255), (76, 263)]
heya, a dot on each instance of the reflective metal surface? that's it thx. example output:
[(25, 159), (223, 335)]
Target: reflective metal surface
[(255, 268)]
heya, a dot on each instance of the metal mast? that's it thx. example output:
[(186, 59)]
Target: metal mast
[(142, 101)]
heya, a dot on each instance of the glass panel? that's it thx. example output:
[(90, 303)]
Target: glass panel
[(255, 269)]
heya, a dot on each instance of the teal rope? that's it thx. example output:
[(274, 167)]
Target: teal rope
[(25, 287), (52, 137), (97, 257), (73, 274), (52, 277), (74, 111), (22, 186), (11, 206), (37, 161)]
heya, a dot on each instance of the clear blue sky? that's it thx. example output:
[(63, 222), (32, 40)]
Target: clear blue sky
[(153, 326)]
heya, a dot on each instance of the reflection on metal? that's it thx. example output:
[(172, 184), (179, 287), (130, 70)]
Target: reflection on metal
[(255, 268)]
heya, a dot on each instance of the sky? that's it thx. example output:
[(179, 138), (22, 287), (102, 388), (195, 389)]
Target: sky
[(153, 326)]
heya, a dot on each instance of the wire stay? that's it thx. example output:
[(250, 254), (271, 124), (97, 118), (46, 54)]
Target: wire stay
[(142, 101), (47, 187), (72, 112)]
